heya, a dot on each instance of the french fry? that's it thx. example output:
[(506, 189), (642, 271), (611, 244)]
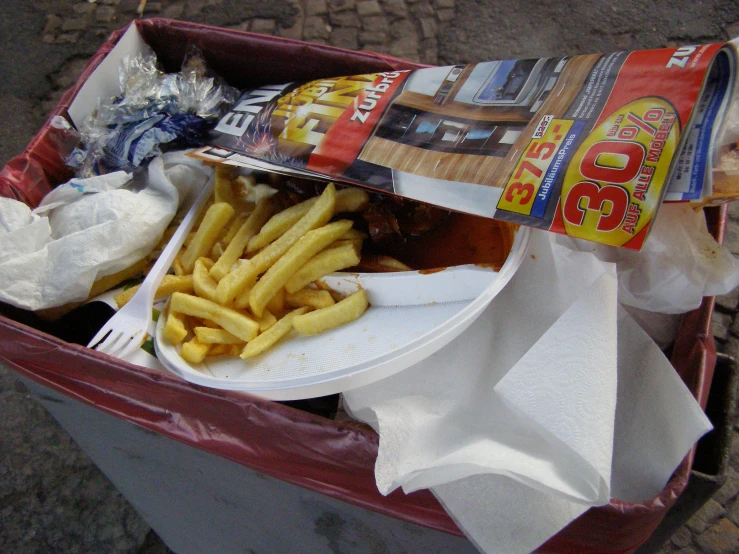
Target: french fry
[(191, 322), (355, 237), (296, 246), (232, 321), (303, 250), (272, 335), (217, 350), (234, 350), (208, 323), (177, 264), (241, 302), (266, 321), (216, 251), (100, 286), (351, 200), (323, 263), (188, 238), (324, 319), (169, 284), (174, 328), (122, 298), (276, 304), (355, 243), (279, 224), (230, 350), (246, 274), (312, 298), (216, 218), (193, 351), (223, 192), (236, 246), (347, 200), (200, 218), (174, 283), (378, 264), (337, 296), (109, 281), (208, 335), (203, 283), (355, 234), (233, 228)]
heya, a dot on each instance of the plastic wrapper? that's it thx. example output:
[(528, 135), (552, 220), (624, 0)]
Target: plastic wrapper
[(333, 458), (154, 109)]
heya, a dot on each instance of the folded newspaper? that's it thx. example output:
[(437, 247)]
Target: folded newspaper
[(587, 146)]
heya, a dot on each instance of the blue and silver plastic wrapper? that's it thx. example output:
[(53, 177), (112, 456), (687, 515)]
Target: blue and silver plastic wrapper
[(156, 111)]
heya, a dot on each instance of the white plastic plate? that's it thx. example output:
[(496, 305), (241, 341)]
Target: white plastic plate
[(412, 315)]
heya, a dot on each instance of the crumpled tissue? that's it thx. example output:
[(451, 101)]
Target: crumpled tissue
[(548, 415), (679, 264), (88, 228)]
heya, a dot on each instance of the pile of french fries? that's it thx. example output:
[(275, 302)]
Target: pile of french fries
[(246, 276)]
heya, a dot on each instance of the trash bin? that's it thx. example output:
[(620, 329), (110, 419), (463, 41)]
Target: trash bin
[(289, 460)]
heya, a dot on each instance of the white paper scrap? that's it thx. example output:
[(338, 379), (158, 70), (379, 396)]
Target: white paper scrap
[(564, 388), (657, 419), (441, 420), (21, 231), (87, 229), (555, 400), (501, 516)]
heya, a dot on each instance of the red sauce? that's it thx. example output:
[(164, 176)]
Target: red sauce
[(461, 239)]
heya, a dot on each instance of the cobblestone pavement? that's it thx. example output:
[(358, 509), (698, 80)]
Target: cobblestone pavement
[(52, 499)]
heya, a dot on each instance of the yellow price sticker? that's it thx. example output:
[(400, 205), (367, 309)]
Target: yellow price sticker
[(520, 191)]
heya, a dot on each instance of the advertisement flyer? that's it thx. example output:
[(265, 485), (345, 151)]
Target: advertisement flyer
[(588, 146)]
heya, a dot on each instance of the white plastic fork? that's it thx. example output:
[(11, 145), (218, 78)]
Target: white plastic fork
[(127, 329)]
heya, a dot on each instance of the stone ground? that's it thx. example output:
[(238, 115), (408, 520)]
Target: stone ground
[(52, 499)]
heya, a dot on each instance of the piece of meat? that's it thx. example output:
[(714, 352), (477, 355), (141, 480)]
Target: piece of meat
[(381, 222), (387, 218), (418, 219), (303, 188)]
